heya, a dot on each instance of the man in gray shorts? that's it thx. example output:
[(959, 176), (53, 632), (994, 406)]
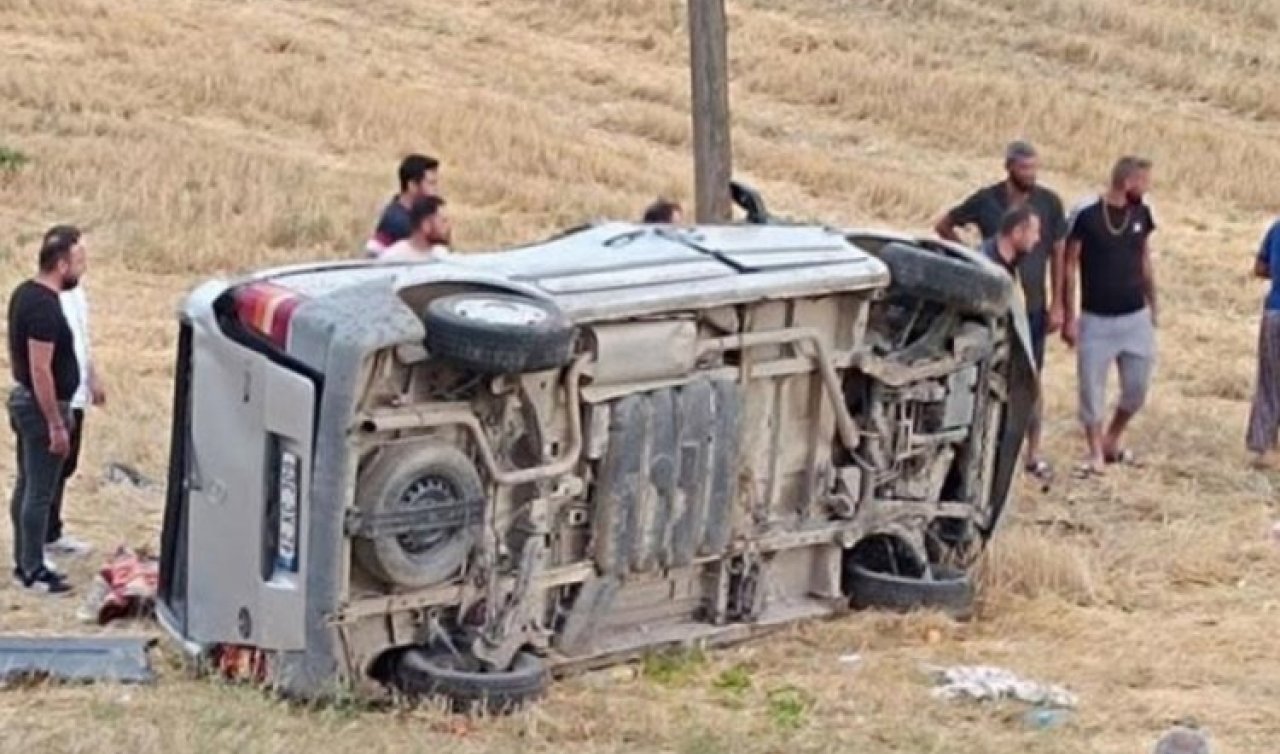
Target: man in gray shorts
[(1108, 242)]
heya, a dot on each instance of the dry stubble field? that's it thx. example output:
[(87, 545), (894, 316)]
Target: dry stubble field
[(196, 138)]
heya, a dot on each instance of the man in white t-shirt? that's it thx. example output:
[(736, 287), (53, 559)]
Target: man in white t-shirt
[(430, 236), (75, 306)]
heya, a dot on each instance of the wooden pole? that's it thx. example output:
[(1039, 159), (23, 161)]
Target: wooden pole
[(712, 148)]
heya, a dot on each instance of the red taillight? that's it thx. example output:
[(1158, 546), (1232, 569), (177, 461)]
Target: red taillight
[(267, 308)]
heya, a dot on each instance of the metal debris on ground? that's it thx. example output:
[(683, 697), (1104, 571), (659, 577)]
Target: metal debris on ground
[(984, 683), (1041, 718), (123, 473), (74, 659), (125, 587)]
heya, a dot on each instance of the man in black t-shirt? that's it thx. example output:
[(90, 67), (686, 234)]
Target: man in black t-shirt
[(1109, 243), (43, 360), (419, 177), (1040, 271)]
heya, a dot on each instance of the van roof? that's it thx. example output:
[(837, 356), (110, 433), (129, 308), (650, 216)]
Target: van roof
[(620, 269)]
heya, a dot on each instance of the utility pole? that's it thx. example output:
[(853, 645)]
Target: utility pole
[(712, 148)]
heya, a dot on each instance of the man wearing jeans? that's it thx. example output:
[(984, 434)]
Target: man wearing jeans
[(75, 307), (1109, 243), (985, 209), (43, 360)]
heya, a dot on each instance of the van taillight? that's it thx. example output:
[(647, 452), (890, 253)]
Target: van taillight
[(266, 309)]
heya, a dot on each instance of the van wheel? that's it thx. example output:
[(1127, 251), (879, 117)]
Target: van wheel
[(497, 333), (945, 277), (938, 588), (432, 498), (421, 672)]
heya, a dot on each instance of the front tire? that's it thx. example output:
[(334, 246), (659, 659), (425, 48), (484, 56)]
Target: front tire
[(970, 286)]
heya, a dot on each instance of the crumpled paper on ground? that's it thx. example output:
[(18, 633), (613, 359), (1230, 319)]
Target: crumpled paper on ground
[(983, 683), (124, 588)]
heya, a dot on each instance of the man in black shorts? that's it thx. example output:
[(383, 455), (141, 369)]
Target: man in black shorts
[(419, 176), (43, 359), (1109, 242), (984, 209)]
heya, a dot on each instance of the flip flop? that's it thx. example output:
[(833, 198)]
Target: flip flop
[(1087, 470), (1039, 468), (1122, 457)]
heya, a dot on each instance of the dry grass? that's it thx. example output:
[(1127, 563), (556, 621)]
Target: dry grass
[(197, 138)]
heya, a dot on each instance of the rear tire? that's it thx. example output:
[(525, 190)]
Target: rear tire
[(969, 285), (419, 672), (498, 333)]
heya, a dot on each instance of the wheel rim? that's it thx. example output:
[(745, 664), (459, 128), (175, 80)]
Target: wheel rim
[(495, 311), (427, 493)]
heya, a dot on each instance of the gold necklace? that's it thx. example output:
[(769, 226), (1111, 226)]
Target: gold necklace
[(1106, 217)]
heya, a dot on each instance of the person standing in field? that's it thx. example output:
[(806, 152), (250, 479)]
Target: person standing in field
[(1109, 245), (1039, 271), (663, 212), (419, 177), (430, 235), (1017, 236), (75, 307), (43, 361), (1264, 416)]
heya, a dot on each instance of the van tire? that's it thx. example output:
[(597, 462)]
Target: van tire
[(432, 470), (941, 588), (419, 672), (971, 286), (498, 333)]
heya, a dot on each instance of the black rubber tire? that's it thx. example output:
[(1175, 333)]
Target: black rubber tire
[(381, 488), (492, 347), (422, 673), (971, 285), (948, 590)]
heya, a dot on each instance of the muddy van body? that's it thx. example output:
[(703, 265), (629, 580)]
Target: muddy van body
[(464, 477)]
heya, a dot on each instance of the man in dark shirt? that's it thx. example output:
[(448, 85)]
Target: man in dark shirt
[(419, 176), (1017, 236), (985, 208), (1109, 243), (43, 360)]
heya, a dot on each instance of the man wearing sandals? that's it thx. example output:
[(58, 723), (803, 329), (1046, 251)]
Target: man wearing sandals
[(1109, 244), (985, 209)]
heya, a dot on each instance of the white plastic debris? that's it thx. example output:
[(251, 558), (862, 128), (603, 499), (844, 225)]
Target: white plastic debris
[(984, 683), (852, 659)]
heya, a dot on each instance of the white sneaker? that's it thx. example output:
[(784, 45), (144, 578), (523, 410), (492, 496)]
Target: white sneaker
[(49, 565), (68, 546)]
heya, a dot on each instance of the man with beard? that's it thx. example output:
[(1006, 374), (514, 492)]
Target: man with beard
[(1109, 243), (43, 360), (430, 233), (985, 208), (75, 307), (1018, 235), (419, 177)]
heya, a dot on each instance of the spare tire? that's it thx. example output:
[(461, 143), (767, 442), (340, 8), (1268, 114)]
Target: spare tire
[(969, 283), (940, 588), (443, 674), (498, 333), (439, 481)]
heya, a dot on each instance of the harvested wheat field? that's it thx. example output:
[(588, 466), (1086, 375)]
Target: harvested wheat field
[(199, 138)]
